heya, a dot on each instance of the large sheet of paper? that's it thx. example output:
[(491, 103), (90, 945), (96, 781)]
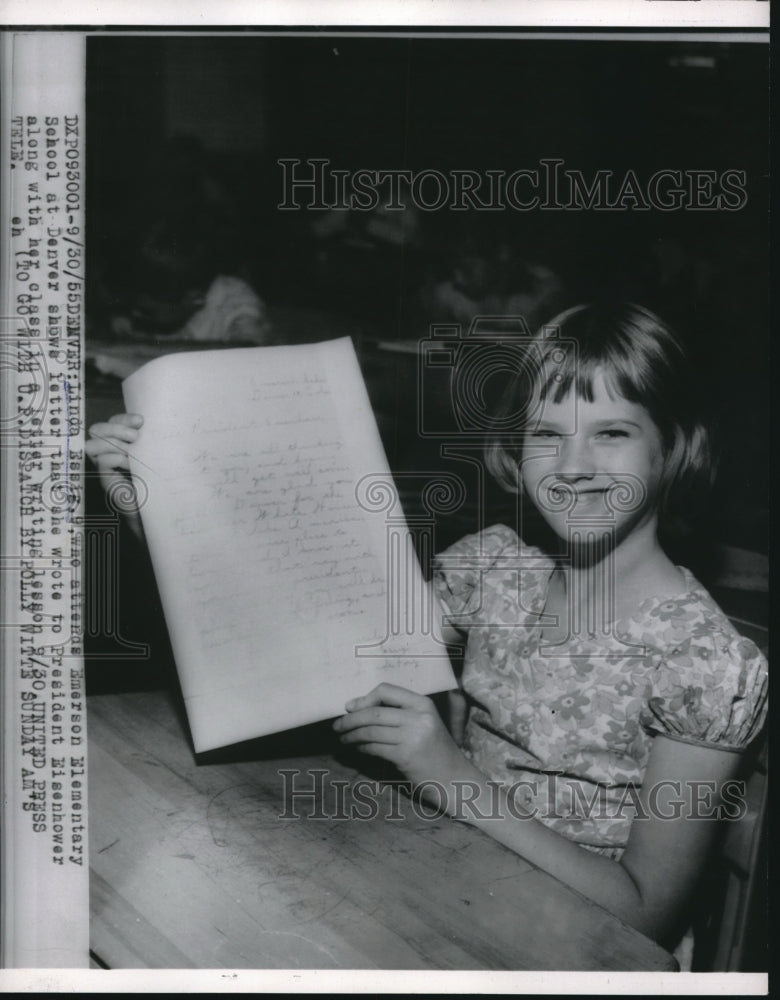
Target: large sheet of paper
[(285, 593)]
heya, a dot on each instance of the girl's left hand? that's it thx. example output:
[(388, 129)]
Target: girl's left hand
[(405, 729)]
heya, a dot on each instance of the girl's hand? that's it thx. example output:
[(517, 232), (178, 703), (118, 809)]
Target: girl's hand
[(107, 447), (405, 729)]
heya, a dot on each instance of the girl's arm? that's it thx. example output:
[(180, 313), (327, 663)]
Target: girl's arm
[(651, 885), (648, 888)]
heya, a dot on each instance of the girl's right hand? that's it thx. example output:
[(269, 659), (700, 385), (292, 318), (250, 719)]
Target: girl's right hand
[(107, 447)]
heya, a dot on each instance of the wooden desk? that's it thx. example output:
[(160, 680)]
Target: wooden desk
[(192, 867)]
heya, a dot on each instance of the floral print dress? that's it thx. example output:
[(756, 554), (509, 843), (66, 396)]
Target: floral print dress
[(568, 728)]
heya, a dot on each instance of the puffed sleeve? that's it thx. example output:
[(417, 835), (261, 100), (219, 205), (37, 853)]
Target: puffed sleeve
[(710, 690), (459, 571)]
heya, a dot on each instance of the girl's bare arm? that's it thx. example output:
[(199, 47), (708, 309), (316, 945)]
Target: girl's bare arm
[(652, 883)]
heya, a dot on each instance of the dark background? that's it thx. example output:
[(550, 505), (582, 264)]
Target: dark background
[(199, 122)]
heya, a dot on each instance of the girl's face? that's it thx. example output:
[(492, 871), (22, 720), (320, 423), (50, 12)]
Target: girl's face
[(605, 465)]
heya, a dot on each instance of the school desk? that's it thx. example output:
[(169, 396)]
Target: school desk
[(192, 866)]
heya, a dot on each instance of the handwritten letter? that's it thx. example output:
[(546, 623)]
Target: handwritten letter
[(271, 573)]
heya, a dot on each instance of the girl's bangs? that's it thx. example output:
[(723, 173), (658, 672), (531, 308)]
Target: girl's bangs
[(564, 370)]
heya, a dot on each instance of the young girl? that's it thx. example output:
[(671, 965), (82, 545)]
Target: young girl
[(606, 696), (610, 745)]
